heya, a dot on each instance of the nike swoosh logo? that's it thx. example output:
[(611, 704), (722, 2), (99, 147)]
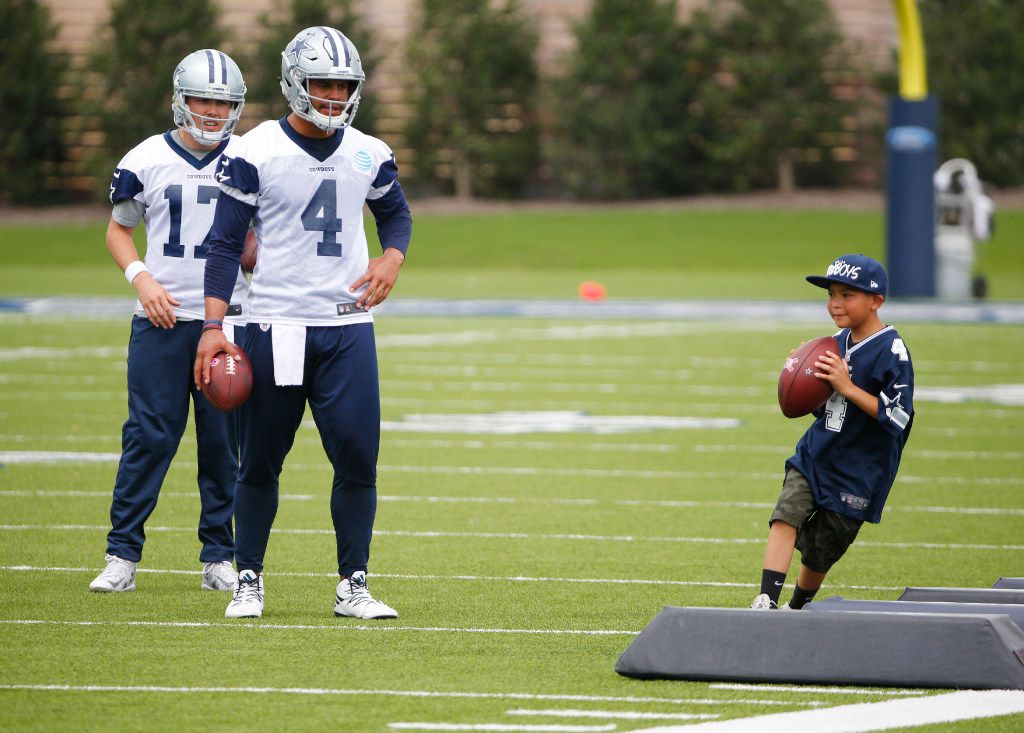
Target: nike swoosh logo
[(900, 386), (778, 583)]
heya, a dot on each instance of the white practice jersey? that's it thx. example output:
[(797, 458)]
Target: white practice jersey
[(179, 193), (308, 219)]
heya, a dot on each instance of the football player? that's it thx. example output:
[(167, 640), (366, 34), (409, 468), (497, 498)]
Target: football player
[(845, 464), (303, 180), (167, 181)]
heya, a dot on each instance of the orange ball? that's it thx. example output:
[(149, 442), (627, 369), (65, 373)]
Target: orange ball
[(591, 290)]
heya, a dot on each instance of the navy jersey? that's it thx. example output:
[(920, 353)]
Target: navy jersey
[(850, 458)]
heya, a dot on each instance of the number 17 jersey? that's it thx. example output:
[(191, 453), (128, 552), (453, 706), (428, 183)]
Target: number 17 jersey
[(179, 194), (308, 197)]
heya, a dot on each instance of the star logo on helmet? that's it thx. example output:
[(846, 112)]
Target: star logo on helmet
[(300, 45)]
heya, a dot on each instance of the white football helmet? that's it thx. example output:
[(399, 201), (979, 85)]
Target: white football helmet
[(207, 74), (321, 53)]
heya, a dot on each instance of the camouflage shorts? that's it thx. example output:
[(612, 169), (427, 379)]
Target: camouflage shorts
[(822, 536)]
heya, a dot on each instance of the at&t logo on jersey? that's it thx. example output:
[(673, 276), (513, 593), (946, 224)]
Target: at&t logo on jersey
[(840, 268), (363, 161)]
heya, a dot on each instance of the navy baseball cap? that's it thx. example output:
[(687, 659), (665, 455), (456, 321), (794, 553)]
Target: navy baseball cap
[(857, 271)]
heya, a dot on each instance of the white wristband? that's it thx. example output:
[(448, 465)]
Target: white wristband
[(132, 271)]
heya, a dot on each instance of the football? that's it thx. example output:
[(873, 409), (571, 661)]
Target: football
[(230, 381), (800, 392), (250, 251)]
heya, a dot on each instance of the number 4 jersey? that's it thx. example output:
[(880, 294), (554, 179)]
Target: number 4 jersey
[(306, 197), (178, 193), (850, 458)]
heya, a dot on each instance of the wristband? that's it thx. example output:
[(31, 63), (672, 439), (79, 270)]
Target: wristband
[(213, 325), (133, 270)]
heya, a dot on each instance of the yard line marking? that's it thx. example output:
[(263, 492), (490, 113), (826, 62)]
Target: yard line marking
[(320, 627), (432, 534), (48, 353), (403, 693), (489, 443), (612, 714), (814, 690), (554, 728), (483, 578), (871, 716), (629, 473), (60, 456), (922, 453), (661, 503), (549, 421), (41, 456)]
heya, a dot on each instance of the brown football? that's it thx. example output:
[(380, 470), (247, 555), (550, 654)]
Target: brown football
[(250, 251), (800, 392), (230, 381)]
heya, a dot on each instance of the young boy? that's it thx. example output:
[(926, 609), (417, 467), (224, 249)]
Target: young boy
[(845, 463)]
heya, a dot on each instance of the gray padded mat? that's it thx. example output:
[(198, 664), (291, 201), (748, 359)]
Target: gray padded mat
[(1015, 611), (829, 647), (963, 595), (1010, 583)]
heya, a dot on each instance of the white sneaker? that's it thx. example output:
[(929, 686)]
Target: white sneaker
[(118, 576), (354, 599), (248, 599), (764, 603), (219, 576)]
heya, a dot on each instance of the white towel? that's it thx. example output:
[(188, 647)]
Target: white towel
[(229, 332), (289, 354)]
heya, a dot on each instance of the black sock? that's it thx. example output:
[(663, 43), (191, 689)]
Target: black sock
[(801, 597), (772, 582)]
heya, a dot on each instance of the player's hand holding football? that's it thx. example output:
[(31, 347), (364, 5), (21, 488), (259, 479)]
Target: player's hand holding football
[(833, 369), (212, 343), (380, 277), (155, 300)]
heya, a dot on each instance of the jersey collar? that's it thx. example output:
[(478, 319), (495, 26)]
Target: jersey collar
[(853, 347), (197, 163), (319, 148)]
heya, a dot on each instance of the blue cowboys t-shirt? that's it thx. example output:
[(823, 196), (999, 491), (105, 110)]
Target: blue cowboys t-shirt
[(850, 458)]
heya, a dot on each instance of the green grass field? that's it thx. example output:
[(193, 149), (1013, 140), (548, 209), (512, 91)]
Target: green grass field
[(522, 564), (636, 253)]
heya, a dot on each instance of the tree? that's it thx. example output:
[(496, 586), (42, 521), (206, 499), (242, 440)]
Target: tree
[(134, 61), (31, 112), (263, 68), (774, 93), (628, 122), (974, 61), (473, 125)]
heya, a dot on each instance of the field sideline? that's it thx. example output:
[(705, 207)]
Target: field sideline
[(547, 484)]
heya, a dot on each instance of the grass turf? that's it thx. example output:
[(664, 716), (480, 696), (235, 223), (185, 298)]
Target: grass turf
[(483, 540), (509, 535), (635, 253)]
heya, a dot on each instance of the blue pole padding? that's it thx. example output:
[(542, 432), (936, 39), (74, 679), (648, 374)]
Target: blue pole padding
[(911, 146)]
